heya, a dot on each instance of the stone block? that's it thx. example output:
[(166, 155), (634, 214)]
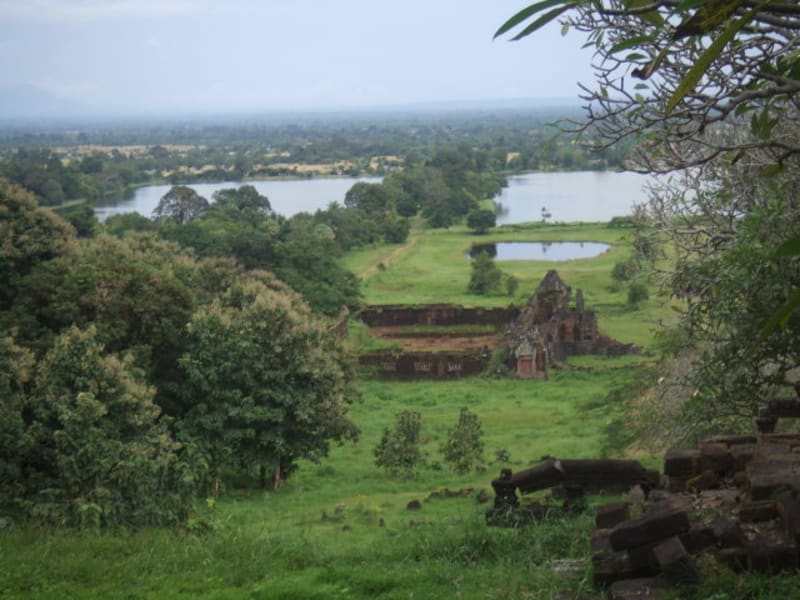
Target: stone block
[(676, 484), (742, 455), (791, 440), (612, 514), (648, 529), (730, 440), (706, 480), (649, 588), (765, 424), (728, 533), (764, 486), (612, 567), (770, 552), (675, 563), (789, 512), (698, 538), (733, 558), (681, 462), (758, 511), (716, 458), (783, 408), (600, 542)]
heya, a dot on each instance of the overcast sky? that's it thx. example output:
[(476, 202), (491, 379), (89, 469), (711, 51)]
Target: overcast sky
[(233, 55)]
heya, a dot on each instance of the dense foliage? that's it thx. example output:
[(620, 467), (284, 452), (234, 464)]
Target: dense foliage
[(114, 348)]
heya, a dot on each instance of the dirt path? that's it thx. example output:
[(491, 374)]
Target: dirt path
[(392, 258)]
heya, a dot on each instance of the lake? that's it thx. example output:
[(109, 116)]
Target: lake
[(588, 196), (556, 251), (567, 196), (287, 197)]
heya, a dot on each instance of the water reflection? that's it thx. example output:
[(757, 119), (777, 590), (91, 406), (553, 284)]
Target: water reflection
[(555, 251)]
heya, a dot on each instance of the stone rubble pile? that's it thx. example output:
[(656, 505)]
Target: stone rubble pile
[(735, 499)]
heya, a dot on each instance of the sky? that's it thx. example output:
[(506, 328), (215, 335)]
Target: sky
[(195, 56)]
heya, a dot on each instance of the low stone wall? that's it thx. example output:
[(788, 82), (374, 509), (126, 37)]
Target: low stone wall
[(395, 365), (435, 314)]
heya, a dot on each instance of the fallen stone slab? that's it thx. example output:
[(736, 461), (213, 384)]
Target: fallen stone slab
[(792, 440), (698, 538), (706, 480), (766, 485), (789, 512), (649, 529), (612, 514), (611, 567), (771, 552), (729, 440), (716, 458), (681, 462), (758, 511), (649, 588), (728, 533), (782, 408), (675, 562)]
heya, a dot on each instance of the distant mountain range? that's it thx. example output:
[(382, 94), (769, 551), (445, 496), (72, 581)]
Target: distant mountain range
[(28, 103)]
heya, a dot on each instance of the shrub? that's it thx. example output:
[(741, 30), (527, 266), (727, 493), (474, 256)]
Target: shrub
[(399, 450), (486, 276), (463, 448), (637, 292)]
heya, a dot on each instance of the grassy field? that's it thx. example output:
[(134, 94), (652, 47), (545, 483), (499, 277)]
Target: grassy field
[(367, 544), (436, 269), (341, 528)]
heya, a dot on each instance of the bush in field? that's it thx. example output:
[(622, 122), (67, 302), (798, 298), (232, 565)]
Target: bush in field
[(512, 285), (637, 292), (486, 276), (399, 450), (463, 448), (624, 271)]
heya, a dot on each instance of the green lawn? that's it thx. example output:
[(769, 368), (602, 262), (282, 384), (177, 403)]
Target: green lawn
[(435, 269)]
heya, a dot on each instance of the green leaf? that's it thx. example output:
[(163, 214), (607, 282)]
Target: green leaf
[(710, 15), (789, 248), (689, 82), (565, 29), (651, 16), (630, 43), (527, 13), (780, 318), (542, 21)]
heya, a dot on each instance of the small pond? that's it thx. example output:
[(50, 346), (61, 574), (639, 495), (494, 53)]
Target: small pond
[(555, 251)]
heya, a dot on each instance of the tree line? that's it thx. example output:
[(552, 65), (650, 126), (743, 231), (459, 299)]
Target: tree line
[(134, 373)]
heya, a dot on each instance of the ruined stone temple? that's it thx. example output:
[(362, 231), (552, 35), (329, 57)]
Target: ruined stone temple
[(549, 329)]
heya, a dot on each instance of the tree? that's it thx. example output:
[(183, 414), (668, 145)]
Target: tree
[(268, 379), (481, 220), (463, 447), (29, 236), (93, 451), (710, 90), (246, 198), (486, 276), (180, 204), (399, 449)]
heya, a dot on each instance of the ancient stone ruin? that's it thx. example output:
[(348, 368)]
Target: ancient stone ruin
[(734, 499), (549, 329), (545, 330)]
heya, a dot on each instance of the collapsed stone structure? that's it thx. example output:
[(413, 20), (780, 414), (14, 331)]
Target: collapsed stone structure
[(545, 330), (549, 329), (734, 498)]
